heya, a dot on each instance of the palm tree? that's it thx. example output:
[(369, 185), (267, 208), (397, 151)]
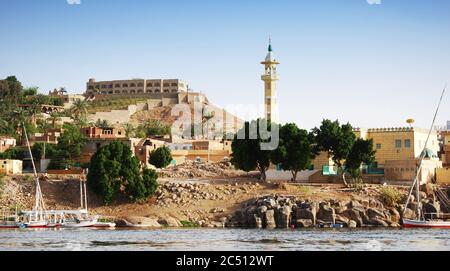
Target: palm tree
[(54, 118), (102, 124), (79, 111), (129, 129)]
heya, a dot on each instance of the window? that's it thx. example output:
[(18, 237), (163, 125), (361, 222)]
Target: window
[(398, 143), (104, 86), (166, 91), (407, 143), (91, 87), (157, 91), (174, 84), (378, 146), (157, 85), (117, 86), (140, 85), (149, 85), (125, 85), (166, 84), (133, 85)]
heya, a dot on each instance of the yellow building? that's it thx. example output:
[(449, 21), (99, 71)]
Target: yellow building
[(399, 143), (11, 167), (135, 86)]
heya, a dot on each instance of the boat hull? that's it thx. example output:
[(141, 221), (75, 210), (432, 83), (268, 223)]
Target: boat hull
[(407, 223)]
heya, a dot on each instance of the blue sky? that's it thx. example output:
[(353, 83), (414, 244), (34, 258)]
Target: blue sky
[(372, 65)]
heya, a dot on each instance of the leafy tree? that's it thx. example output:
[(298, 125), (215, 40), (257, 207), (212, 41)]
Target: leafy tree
[(161, 157), (339, 142), (114, 170), (71, 142), (13, 153), (362, 152), (294, 152), (54, 118), (79, 111), (51, 151), (31, 91), (154, 128), (102, 124), (247, 153), (129, 130)]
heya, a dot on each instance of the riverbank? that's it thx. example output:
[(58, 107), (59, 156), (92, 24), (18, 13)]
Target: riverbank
[(224, 202)]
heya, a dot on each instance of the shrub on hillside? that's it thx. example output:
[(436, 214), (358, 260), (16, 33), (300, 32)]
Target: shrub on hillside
[(161, 157)]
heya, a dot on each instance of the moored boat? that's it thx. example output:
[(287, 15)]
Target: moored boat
[(410, 223), (424, 220)]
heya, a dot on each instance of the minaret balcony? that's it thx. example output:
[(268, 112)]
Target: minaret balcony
[(270, 77)]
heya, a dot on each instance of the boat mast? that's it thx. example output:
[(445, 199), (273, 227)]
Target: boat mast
[(39, 203), (416, 182)]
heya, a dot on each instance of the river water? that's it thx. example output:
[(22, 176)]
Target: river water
[(224, 239)]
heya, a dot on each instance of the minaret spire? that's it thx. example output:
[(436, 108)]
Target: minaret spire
[(270, 44)]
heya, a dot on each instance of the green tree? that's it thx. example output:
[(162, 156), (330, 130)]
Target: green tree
[(129, 130), (54, 118), (13, 154), (294, 152), (79, 111), (339, 142), (161, 157), (102, 124), (154, 128), (362, 152), (247, 153), (71, 143), (114, 170)]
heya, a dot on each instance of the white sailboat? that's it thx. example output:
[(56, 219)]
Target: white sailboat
[(37, 218), (420, 221)]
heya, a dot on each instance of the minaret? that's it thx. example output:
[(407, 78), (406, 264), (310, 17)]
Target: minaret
[(270, 78)]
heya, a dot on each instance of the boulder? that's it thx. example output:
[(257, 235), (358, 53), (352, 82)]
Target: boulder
[(341, 219), (170, 222), (375, 213), (394, 225), (283, 219), (138, 221), (326, 214), (353, 214), (352, 224), (353, 204), (258, 222), (395, 215), (378, 222), (304, 223), (409, 214), (306, 214), (373, 203), (269, 218)]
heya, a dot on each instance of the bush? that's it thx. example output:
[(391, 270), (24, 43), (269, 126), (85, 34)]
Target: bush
[(161, 157), (114, 170), (189, 224), (390, 196)]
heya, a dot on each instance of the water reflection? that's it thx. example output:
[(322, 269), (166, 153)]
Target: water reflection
[(224, 239)]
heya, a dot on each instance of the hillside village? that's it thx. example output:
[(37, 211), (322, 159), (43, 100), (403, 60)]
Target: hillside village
[(203, 175)]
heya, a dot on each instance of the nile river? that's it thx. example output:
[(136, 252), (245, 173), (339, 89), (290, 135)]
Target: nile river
[(224, 239)]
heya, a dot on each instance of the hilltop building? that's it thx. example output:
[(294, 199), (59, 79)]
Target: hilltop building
[(270, 78), (135, 86)]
